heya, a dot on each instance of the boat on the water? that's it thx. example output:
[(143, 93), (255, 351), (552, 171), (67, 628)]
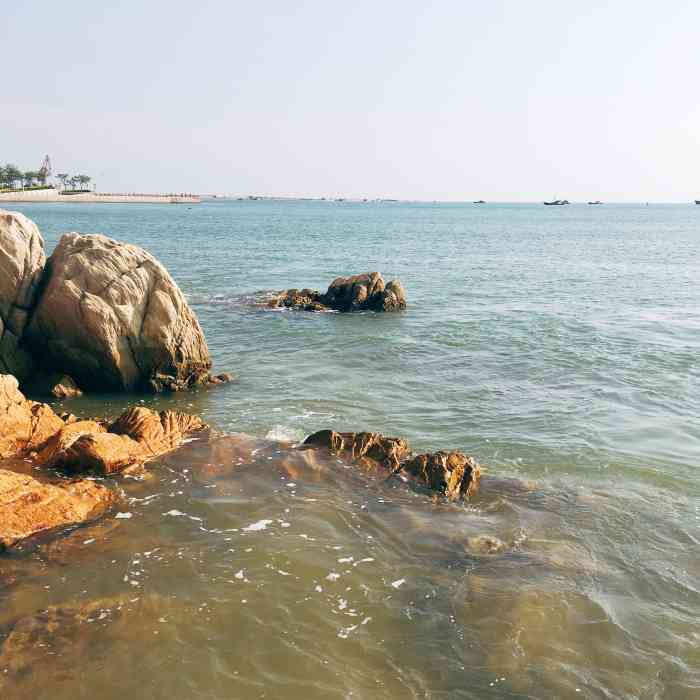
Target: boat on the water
[(557, 203), (697, 201), (596, 202), (479, 201)]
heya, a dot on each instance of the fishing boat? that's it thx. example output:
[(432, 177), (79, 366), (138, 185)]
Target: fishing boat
[(596, 202), (481, 201), (557, 203)]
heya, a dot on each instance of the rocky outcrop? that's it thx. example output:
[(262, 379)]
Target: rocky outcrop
[(33, 432), (136, 437), (386, 451), (24, 425), (450, 473), (366, 292), (22, 262), (105, 315), (112, 318), (30, 507)]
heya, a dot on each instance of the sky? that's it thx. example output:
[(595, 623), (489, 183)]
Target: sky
[(443, 100)]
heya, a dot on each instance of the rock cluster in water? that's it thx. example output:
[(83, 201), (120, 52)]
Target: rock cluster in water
[(52, 445), (98, 315), (367, 292), (452, 474)]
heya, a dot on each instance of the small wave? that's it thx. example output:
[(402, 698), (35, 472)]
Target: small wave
[(284, 433)]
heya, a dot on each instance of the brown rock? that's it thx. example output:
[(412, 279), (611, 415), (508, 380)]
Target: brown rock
[(44, 425), (99, 453), (22, 262), (157, 432), (30, 507), (137, 436), (364, 292), (64, 438), (451, 473), (385, 451), (15, 418), (112, 318), (358, 293), (24, 425)]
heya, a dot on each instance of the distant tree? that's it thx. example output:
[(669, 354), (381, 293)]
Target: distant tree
[(73, 181), (29, 177), (63, 177), (12, 174), (83, 180)]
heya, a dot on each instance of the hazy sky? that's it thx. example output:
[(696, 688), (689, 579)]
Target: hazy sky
[(428, 100)]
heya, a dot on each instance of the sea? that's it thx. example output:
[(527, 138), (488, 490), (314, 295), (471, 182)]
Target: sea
[(559, 346)]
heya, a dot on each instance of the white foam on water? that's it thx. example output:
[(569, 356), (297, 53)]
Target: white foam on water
[(260, 525), (123, 516), (398, 583)]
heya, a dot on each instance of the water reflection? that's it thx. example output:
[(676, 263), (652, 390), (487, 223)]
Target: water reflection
[(248, 568)]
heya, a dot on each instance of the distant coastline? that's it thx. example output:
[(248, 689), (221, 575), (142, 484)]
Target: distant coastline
[(53, 195)]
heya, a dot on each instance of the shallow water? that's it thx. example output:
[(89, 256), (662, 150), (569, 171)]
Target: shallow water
[(558, 347)]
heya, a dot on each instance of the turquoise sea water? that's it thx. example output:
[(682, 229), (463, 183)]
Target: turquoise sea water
[(558, 345)]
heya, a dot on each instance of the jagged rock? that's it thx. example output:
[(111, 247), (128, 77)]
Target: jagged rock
[(22, 262), (362, 292), (59, 442), (137, 436), (358, 293), (386, 451), (112, 318), (44, 425), (451, 473), (24, 425), (158, 432), (30, 507)]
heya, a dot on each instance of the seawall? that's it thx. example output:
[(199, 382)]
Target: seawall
[(53, 195)]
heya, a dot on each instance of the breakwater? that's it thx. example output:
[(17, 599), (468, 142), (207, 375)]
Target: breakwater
[(53, 196)]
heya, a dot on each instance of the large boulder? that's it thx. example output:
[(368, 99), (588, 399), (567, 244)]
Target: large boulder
[(31, 507), (22, 262), (112, 318), (366, 292)]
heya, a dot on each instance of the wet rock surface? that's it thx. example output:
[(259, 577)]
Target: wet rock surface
[(452, 474), (366, 292), (29, 507), (32, 435)]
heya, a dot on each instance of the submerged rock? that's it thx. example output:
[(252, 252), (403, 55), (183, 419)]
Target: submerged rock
[(366, 292), (29, 507), (111, 317), (450, 473), (22, 262)]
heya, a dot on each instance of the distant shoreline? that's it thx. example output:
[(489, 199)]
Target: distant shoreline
[(53, 196)]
